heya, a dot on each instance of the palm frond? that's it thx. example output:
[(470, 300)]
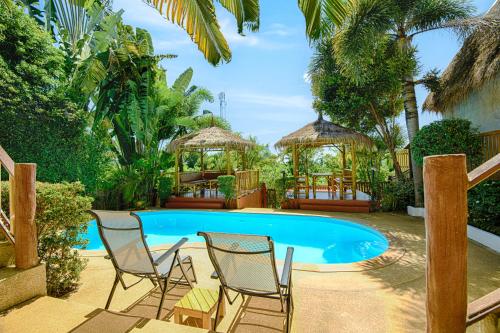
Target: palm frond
[(321, 16), (431, 14), (198, 18), (182, 82), (246, 12)]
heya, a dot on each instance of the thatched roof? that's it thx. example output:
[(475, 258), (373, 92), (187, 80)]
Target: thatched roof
[(477, 62), (210, 137), (322, 132)]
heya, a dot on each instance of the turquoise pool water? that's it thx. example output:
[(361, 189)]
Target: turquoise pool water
[(320, 240)]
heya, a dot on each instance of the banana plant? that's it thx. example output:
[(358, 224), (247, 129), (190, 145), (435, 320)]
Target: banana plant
[(197, 17)]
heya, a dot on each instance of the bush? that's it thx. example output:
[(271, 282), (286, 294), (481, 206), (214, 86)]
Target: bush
[(60, 218), (165, 185), (39, 123), (447, 136), (397, 195), (484, 206), (227, 186)]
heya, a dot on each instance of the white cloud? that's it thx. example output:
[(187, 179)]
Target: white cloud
[(280, 101), (278, 29), (233, 37)]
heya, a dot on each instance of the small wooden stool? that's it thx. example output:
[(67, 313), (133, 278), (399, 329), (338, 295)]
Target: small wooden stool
[(199, 303)]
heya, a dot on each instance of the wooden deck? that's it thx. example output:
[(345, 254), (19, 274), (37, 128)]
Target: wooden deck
[(331, 202)]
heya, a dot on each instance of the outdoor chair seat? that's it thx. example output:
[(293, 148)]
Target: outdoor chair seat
[(165, 266), (123, 237), (246, 265)]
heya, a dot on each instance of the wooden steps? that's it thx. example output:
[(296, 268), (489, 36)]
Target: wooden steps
[(348, 206), (194, 203)]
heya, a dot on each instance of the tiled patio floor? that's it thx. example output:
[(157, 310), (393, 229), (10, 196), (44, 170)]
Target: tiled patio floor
[(387, 299)]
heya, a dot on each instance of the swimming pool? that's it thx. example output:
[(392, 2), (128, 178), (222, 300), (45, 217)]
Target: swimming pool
[(316, 239)]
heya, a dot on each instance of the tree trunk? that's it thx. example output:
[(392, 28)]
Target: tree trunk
[(411, 114)]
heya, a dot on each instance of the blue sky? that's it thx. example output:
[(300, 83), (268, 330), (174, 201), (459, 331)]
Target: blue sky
[(266, 92)]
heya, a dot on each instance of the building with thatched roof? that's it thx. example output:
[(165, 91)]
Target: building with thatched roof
[(210, 137), (322, 132), (470, 85)]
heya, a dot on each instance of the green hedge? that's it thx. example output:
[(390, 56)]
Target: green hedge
[(227, 186), (484, 206), (397, 195), (60, 217), (447, 136)]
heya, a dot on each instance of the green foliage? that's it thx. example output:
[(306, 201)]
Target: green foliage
[(165, 185), (397, 195), (61, 215), (227, 186), (447, 136), (39, 124), (484, 206), (370, 106)]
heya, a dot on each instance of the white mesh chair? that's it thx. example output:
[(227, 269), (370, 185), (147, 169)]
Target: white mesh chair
[(123, 237), (246, 265)]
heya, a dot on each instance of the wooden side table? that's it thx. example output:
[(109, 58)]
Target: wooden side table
[(199, 303)]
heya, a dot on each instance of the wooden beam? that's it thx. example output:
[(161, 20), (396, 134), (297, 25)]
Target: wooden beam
[(445, 189), (6, 161), (353, 156), (177, 176), (341, 191), (484, 171), (295, 159), (228, 160), (202, 163), (24, 209)]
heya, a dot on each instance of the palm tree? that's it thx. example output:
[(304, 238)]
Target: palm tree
[(368, 22), (197, 17)]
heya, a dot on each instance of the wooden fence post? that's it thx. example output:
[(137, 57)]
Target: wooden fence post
[(445, 189), (24, 211)]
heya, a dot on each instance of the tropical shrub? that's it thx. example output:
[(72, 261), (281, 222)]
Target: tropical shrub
[(165, 185), (227, 186), (60, 217), (397, 195), (447, 136), (39, 123), (484, 206)]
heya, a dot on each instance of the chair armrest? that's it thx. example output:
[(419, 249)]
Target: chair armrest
[(287, 268), (170, 251)]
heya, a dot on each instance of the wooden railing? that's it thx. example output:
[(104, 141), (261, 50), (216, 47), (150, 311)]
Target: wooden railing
[(246, 181), (491, 144), (6, 227), (446, 182), (19, 225), (403, 157)]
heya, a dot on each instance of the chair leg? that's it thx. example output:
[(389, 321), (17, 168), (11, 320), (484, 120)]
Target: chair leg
[(184, 271), (117, 279), (164, 291), (192, 269), (219, 301)]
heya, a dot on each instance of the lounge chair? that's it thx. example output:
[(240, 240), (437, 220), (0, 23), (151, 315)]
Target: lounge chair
[(123, 237), (246, 264)]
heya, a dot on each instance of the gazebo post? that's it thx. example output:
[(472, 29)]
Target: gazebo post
[(202, 163), (228, 160), (341, 192), (295, 161), (177, 180), (353, 156)]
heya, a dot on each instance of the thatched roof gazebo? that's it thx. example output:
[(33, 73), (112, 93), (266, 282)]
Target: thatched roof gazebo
[(322, 133), (208, 139), (476, 63)]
